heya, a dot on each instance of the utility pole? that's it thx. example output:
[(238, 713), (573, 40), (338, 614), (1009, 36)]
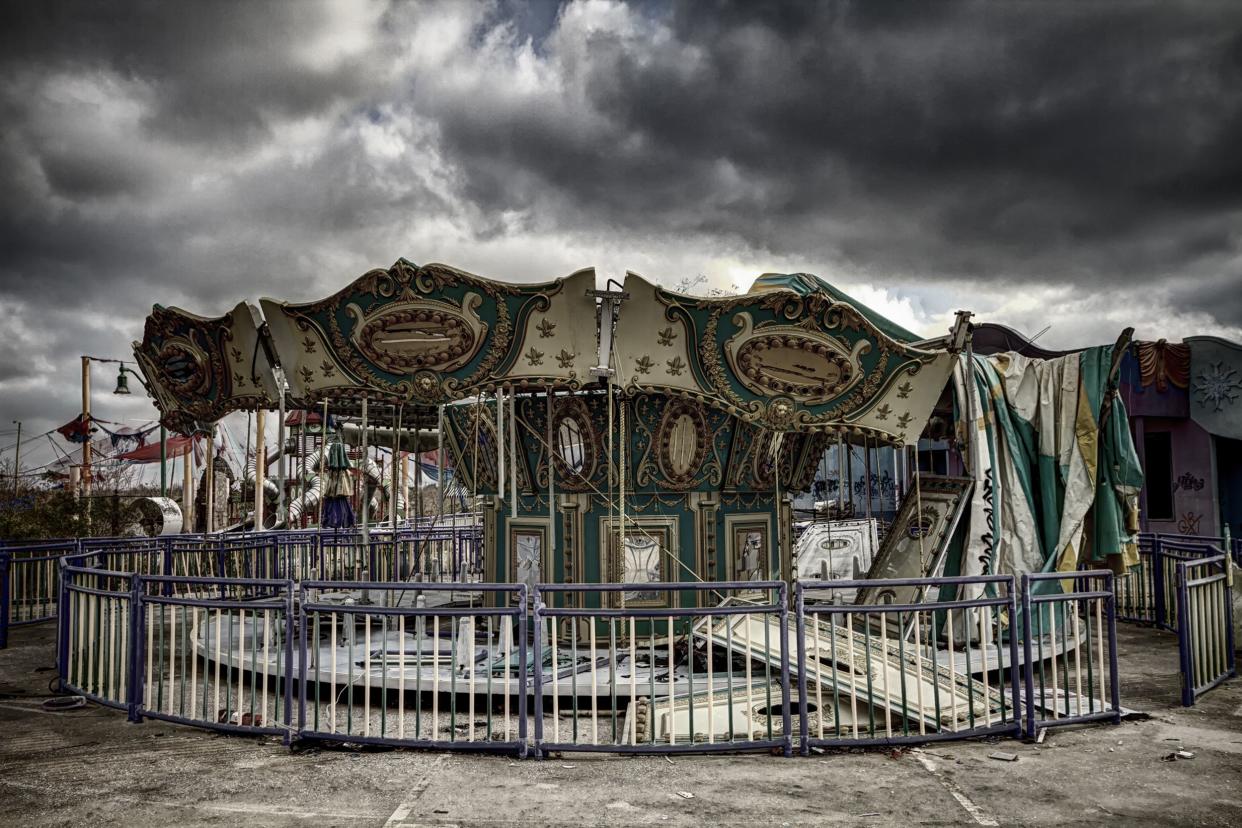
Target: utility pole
[(17, 458), (86, 417), (86, 446)]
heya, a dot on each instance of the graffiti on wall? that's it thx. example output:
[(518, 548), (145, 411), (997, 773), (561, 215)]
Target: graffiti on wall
[(1188, 483), (1189, 524)]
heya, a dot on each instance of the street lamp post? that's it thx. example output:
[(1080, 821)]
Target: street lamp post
[(86, 418), (122, 388)]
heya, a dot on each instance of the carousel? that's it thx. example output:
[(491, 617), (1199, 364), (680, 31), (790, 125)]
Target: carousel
[(627, 460)]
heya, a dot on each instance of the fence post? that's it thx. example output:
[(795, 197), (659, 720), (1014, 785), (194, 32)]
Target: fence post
[(220, 566), (303, 660), (4, 599), (1185, 656), (291, 627), (800, 621), (1028, 668), (166, 566), (1228, 590), (534, 607), (62, 624), (1015, 681), (1158, 582), (1114, 688), (786, 716), (137, 625)]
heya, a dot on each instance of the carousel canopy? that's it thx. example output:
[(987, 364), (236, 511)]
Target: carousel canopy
[(792, 354)]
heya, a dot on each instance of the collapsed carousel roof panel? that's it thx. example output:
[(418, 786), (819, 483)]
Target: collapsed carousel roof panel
[(794, 354)]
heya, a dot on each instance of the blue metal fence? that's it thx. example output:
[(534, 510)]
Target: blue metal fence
[(1070, 635), (365, 671), (655, 667), (1205, 624), (230, 634), (919, 684)]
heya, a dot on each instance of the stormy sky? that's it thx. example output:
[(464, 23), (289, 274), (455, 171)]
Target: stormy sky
[(1068, 164)]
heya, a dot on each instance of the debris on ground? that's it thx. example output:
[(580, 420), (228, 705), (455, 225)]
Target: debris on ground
[(1178, 755), (685, 795), (61, 703), (1003, 756)]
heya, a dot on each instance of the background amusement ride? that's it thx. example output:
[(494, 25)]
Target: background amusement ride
[(651, 557)]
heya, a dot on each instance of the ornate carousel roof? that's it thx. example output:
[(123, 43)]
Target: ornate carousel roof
[(791, 354)]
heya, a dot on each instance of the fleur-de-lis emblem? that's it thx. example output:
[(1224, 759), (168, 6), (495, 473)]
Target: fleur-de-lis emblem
[(903, 421), (904, 390), (238, 379), (883, 411), (565, 358), (309, 344), (667, 336), (643, 364), (328, 368), (307, 375), (676, 366), (534, 357), (237, 354), (545, 328)]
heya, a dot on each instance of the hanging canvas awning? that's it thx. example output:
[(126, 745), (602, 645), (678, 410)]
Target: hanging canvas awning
[(150, 453)]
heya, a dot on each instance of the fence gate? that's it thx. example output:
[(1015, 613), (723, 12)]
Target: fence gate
[(1205, 624)]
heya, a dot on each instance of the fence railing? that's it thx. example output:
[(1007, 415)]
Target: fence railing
[(1070, 648), (366, 670), (880, 673), (97, 631), (222, 663), (30, 573), (1205, 624), (444, 665), (673, 679), (1147, 593)]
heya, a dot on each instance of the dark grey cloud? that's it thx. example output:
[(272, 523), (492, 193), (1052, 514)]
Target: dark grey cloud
[(1050, 162), (1044, 133)]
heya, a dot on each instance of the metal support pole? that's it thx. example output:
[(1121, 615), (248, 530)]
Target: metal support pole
[(323, 458), (209, 480), (396, 478), (867, 471), (500, 444), (86, 446), (260, 466), (849, 474), (163, 461), (187, 488), (439, 461), (281, 517), (365, 506), (539, 574), (513, 490)]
